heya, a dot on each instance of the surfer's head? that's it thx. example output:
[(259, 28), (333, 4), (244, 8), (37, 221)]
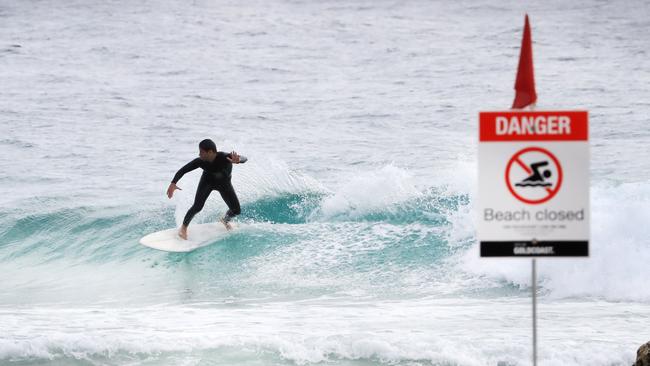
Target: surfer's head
[(207, 150)]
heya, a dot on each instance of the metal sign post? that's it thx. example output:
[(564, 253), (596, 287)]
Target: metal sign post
[(533, 183), (534, 280)]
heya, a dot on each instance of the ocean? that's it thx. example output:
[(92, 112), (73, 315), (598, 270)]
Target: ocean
[(358, 243)]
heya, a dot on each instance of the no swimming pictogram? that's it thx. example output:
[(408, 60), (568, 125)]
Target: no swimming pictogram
[(533, 175)]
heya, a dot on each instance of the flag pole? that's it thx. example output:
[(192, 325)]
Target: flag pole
[(526, 97)]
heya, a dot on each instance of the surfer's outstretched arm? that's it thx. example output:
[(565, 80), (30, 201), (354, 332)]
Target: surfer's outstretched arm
[(180, 173), (235, 158), (196, 163)]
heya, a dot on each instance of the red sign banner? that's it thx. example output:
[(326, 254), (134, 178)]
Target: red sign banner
[(533, 126)]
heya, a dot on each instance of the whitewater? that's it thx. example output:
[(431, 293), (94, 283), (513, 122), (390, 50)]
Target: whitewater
[(360, 121)]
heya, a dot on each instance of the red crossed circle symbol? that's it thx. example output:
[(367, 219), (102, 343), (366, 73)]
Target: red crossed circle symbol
[(515, 160)]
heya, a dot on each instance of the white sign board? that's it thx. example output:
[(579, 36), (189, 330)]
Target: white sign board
[(533, 183)]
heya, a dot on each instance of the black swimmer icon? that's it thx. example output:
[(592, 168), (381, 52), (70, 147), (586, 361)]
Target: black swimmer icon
[(533, 175), (537, 179)]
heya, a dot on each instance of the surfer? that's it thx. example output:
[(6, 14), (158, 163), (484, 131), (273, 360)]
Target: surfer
[(217, 169)]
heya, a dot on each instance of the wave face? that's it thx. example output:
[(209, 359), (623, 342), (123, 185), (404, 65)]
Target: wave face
[(326, 242), (318, 242)]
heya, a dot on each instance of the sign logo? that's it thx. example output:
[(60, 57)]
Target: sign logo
[(533, 175)]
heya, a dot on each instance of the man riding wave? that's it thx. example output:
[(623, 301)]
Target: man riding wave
[(217, 169)]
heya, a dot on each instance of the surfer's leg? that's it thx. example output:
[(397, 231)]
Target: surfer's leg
[(202, 193), (230, 198)]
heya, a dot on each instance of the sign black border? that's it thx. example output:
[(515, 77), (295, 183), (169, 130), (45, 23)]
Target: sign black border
[(560, 248)]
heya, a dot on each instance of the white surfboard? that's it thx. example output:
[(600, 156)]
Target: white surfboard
[(198, 235)]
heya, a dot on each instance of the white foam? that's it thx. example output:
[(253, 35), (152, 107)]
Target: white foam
[(370, 191), (458, 331), (617, 268)]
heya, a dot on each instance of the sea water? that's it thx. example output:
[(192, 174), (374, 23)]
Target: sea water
[(359, 119)]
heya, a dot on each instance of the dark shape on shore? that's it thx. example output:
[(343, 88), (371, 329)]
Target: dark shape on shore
[(643, 355)]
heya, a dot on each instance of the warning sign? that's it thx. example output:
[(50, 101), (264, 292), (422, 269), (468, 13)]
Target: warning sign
[(534, 183)]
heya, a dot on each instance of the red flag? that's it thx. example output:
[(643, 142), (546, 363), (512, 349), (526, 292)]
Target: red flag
[(525, 84)]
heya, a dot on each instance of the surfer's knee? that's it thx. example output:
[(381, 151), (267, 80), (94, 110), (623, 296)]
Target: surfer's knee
[(197, 206)]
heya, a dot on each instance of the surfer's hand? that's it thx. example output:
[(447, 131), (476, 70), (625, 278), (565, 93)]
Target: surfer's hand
[(234, 158), (171, 189)]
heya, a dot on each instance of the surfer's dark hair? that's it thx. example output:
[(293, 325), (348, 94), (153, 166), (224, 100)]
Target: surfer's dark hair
[(208, 145)]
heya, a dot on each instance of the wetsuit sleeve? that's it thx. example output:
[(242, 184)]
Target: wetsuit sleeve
[(186, 169)]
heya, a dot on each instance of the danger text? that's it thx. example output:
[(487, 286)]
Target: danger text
[(533, 125)]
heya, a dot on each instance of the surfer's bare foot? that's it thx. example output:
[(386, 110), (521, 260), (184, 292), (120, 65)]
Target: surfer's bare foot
[(226, 224), (183, 232)]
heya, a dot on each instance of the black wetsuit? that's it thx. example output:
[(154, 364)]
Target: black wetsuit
[(216, 176)]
